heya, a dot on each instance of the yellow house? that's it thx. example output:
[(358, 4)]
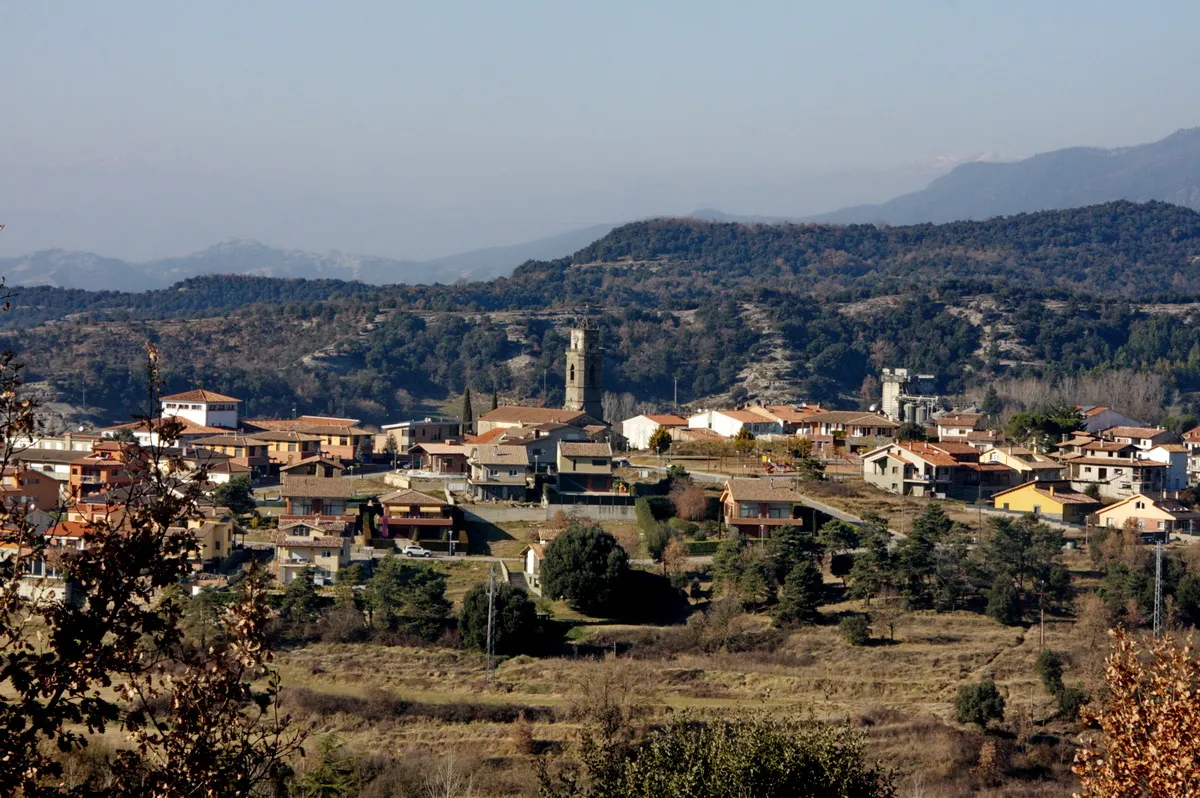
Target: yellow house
[(308, 545), (1025, 462), (584, 467), (1150, 515), (1053, 499), (214, 538)]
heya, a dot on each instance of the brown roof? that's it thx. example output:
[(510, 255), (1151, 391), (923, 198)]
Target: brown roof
[(226, 440), (187, 426), (409, 497), (1105, 446), (954, 447), (442, 448), (854, 417), (518, 414), (317, 488), (787, 413), (316, 541), (667, 419), (283, 435), (228, 467), (763, 489), (199, 395), (316, 458), (337, 527), (1066, 496), (1172, 447), (307, 427), (744, 416), (1116, 461), (1094, 411), (1192, 435), (958, 419), (697, 432), (928, 453), (1134, 432), (493, 454), (583, 449)]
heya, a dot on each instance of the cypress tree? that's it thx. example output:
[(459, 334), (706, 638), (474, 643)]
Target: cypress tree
[(468, 415), (495, 399)]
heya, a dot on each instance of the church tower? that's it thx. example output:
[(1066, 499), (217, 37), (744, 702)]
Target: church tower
[(585, 371)]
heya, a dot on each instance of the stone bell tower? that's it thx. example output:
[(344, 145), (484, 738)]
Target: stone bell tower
[(585, 370)]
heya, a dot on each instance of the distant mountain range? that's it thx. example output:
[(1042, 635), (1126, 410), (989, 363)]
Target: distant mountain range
[(981, 188), (62, 268), (1167, 170)]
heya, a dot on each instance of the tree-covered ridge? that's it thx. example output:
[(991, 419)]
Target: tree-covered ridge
[(1116, 249)]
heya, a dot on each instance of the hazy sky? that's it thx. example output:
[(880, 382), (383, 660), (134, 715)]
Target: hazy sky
[(418, 129)]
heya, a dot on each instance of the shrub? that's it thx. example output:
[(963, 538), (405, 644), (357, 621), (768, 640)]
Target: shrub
[(759, 756), (684, 526), (979, 703), (855, 630), (702, 548), (657, 539), (1070, 701)]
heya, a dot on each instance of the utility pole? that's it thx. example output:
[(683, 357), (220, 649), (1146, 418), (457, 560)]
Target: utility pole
[(1158, 601), (676, 392), (491, 616)]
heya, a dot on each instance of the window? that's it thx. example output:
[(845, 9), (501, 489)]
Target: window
[(744, 511), (1037, 509), (291, 447), (1006, 505), (324, 554), (572, 374)]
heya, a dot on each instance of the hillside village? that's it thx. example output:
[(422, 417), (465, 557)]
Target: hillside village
[(334, 492)]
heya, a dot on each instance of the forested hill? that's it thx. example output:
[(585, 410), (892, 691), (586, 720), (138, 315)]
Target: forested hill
[(1116, 249), (720, 311)]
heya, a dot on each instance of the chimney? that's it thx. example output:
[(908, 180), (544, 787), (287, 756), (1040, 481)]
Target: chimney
[(1051, 488)]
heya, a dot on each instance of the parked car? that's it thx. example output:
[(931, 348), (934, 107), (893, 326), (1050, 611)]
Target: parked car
[(413, 550)]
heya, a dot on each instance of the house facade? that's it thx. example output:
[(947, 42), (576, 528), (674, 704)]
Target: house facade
[(640, 429), (756, 507), (307, 545), (1150, 514), (584, 467), (728, 423), (957, 426), (203, 408), (414, 432), (1055, 500), (417, 516), (1115, 477), (318, 497), (498, 472), (441, 458)]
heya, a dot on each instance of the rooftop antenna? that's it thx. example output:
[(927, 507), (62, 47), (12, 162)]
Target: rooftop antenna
[(1158, 600)]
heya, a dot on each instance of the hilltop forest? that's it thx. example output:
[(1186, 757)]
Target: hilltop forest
[(709, 304)]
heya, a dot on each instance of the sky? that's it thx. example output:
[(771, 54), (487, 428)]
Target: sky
[(142, 129)]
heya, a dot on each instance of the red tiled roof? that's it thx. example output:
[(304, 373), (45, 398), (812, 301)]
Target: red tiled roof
[(928, 453), (1133, 432), (67, 529), (1116, 461), (199, 395), (517, 414), (667, 420), (744, 416)]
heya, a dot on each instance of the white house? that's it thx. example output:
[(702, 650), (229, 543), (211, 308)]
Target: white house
[(204, 408), (1097, 419), (728, 423), (957, 426), (1143, 438), (1175, 455), (639, 429)]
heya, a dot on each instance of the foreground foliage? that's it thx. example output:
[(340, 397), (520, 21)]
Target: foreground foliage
[(759, 756)]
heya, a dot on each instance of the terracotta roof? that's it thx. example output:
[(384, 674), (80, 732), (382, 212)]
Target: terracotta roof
[(763, 489), (410, 497), (1093, 411), (1192, 435), (187, 426), (493, 454), (744, 416), (1105, 446), (199, 395), (1134, 432), (698, 432), (953, 447), (985, 435), (67, 529), (48, 455), (229, 467), (336, 421), (1062, 489), (1172, 447), (317, 488), (491, 436), (927, 453), (788, 413), (1066, 496), (517, 414), (316, 541), (578, 449), (538, 550), (316, 458), (666, 419)]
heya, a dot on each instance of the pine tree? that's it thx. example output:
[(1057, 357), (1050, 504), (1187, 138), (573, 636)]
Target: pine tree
[(801, 595)]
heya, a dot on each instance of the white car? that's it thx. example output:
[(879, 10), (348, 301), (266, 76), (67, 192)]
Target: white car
[(413, 550)]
